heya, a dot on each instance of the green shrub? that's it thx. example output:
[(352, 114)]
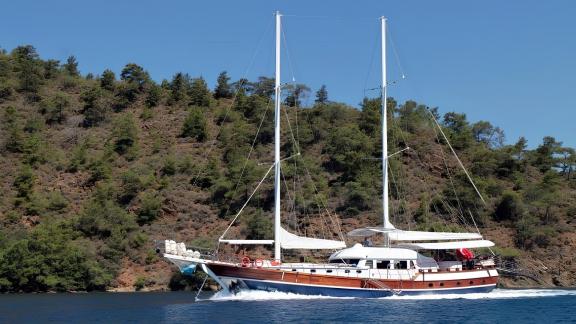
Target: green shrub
[(79, 157), (150, 207), (169, 168), (125, 135), (195, 126), (102, 217), (49, 259), (54, 108), (510, 207), (56, 201), (24, 181), (99, 170), (140, 283)]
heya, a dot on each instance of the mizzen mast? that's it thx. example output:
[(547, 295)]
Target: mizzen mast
[(387, 224), (277, 94)]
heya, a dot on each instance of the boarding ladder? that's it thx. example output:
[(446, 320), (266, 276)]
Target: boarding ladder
[(380, 285)]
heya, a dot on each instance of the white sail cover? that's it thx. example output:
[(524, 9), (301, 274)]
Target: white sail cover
[(448, 245), (400, 235), (292, 241)]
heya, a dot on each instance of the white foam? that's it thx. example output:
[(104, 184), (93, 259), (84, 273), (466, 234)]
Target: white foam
[(257, 295), (260, 295)]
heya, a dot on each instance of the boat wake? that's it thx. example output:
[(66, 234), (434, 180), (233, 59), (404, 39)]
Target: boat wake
[(259, 295), (495, 294)]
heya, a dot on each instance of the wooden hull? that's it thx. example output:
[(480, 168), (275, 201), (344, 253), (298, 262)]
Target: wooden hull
[(472, 281)]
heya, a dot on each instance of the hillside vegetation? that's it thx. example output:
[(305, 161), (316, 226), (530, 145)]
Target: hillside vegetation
[(97, 167)]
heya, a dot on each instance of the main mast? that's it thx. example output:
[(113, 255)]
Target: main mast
[(386, 215), (277, 93)]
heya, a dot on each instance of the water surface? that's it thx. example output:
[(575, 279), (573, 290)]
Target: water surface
[(500, 306)]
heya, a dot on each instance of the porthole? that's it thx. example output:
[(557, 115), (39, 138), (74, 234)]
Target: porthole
[(458, 283), (430, 285), (313, 270), (347, 271), (329, 271), (358, 271), (293, 269), (471, 282), (441, 284)]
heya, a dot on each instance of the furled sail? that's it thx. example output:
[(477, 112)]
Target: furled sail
[(400, 235), (453, 245), (292, 241)]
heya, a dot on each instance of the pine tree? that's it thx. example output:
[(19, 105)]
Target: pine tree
[(322, 95), (179, 88), (223, 88), (71, 66), (135, 74), (199, 93), (95, 109), (108, 80)]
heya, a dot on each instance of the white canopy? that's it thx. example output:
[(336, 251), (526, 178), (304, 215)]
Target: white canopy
[(247, 242), (379, 253), (448, 245), (400, 235), (292, 241)]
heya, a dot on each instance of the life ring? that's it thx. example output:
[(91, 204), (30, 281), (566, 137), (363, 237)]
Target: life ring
[(258, 263), (245, 261)]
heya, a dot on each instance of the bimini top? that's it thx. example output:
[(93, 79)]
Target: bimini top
[(448, 245), (378, 253), (400, 235)]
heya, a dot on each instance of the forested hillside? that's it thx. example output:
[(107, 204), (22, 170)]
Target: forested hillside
[(95, 167)]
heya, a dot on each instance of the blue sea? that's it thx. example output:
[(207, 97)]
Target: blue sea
[(500, 306)]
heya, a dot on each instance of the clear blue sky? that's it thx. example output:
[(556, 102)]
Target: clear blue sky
[(512, 63)]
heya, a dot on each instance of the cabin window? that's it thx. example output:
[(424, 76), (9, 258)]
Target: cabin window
[(313, 270), (347, 271), (353, 262), (329, 271), (402, 265), (293, 269), (358, 271), (369, 264), (383, 265)]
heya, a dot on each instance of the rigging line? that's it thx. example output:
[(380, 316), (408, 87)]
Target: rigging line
[(200, 289), (444, 202), (370, 66), (288, 54), (247, 201), (334, 18), (292, 133), (287, 190), (229, 108), (342, 237), (457, 158), (389, 33), (249, 153), (460, 209)]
